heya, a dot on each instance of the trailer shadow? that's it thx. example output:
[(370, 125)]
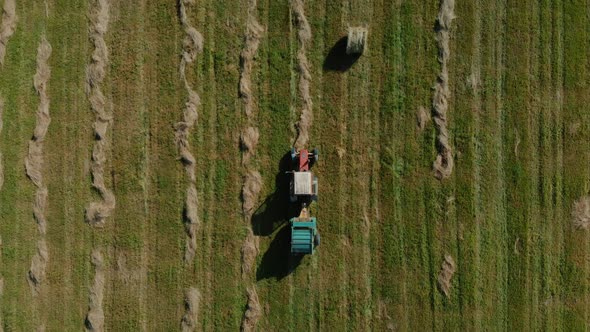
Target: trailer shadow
[(337, 59), (272, 217)]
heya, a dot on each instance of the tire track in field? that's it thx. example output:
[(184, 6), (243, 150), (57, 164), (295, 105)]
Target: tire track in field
[(252, 179), (191, 46), (34, 167), (98, 212), (443, 165), (500, 200), (362, 144), (475, 83)]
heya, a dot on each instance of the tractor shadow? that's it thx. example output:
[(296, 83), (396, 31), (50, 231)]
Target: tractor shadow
[(337, 59), (272, 217)]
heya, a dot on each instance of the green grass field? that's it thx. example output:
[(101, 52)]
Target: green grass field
[(519, 76)]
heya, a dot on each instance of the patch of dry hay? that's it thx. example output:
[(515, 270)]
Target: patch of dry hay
[(304, 38), (95, 316), (191, 46), (7, 27), (581, 213), (249, 252), (253, 311), (34, 165), (252, 40), (443, 165), (36, 274), (422, 118), (98, 212), (192, 297), (446, 273), (250, 191)]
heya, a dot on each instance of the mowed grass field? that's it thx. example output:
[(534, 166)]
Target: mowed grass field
[(519, 125)]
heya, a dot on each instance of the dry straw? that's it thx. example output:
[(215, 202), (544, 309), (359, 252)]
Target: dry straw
[(443, 165), (95, 315), (581, 213), (191, 46), (189, 320), (7, 27), (253, 311), (447, 271), (98, 212), (34, 166)]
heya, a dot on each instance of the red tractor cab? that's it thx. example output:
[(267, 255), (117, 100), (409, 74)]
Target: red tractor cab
[(304, 185)]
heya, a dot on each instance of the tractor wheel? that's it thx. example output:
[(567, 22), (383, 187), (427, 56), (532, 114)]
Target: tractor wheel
[(316, 155), (293, 154), (316, 239)]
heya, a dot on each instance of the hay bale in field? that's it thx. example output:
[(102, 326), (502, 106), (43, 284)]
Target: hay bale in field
[(7, 27), (95, 316), (356, 40), (447, 271), (253, 311), (581, 213), (192, 297)]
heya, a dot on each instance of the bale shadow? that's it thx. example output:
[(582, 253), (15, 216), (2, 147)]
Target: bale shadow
[(272, 217), (337, 59)]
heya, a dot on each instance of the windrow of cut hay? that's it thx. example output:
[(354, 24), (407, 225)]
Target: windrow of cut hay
[(192, 297), (443, 165), (34, 165), (249, 140), (447, 271), (95, 316), (98, 212), (304, 38), (7, 27), (191, 46), (253, 311)]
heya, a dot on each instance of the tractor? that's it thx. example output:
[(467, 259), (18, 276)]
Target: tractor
[(303, 191)]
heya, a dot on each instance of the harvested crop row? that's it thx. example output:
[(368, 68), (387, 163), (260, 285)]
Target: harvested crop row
[(447, 271), (192, 298), (443, 165), (8, 26), (34, 165), (252, 178), (95, 316), (304, 37), (192, 45), (98, 212)]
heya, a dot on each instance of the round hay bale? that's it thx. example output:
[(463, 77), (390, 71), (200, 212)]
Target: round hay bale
[(357, 38)]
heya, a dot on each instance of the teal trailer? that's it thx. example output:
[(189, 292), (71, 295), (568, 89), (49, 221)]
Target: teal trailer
[(304, 236)]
